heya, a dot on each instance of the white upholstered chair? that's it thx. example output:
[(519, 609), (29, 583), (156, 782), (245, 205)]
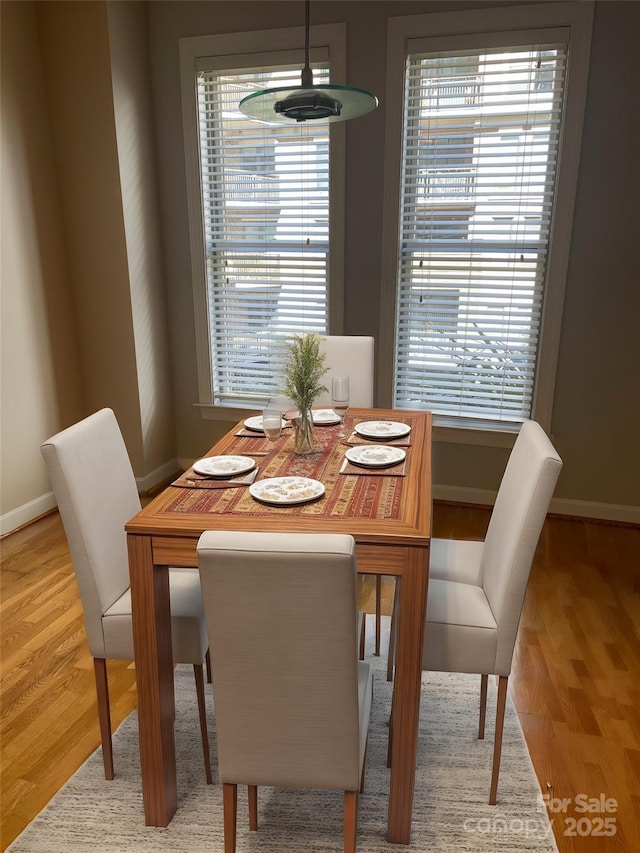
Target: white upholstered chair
[(476, 589), (352, 356), (96, 491), (292, 705)]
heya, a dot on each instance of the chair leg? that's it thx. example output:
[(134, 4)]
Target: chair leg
[(362, 617), (390, 740), (197, 671), (497, 743), (364, 764), (484, 680), (252, 795), (208, 662), (350, 821), (393, 631), (104, 714), (230, 812), (378, 613)]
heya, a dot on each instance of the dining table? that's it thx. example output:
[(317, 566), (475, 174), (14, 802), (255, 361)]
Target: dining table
[(386, 509)]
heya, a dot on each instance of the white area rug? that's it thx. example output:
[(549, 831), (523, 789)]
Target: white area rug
[(451, 811)]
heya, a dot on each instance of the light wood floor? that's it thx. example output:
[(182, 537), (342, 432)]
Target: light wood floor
[(575, 683)]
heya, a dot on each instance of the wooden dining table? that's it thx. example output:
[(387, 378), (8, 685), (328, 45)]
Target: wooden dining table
[(387, 511)]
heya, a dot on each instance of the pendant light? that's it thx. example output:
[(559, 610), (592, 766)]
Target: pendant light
[(307, 102)]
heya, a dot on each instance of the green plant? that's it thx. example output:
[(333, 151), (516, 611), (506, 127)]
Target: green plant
[(303, 370)]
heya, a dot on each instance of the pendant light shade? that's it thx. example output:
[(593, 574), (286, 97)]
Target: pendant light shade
[(304, 103), (307, 102)]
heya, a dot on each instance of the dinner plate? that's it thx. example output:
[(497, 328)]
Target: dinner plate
[(223, 466), (255, 423), (324, 417), (284, 491), (382, 429), (377, 456)]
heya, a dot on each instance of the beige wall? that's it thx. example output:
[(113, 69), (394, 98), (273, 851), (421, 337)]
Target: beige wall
[(76, 59), (88, 279), (84, 313), (597, 401)]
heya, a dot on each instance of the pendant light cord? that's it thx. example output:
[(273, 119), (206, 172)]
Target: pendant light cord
[(307, 73)]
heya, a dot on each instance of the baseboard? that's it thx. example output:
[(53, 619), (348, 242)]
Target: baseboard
[(22, 515), (159, 475), (559, 506), (593, 509)]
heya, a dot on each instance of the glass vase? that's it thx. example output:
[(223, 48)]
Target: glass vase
[(303, 433)]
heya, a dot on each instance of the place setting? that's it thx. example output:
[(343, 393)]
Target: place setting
[(286, 491), (385, 460), (396, 433), (324, 417), (219, 472)]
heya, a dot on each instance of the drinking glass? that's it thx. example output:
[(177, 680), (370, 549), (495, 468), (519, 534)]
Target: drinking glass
[(340, 399), (272, 423)]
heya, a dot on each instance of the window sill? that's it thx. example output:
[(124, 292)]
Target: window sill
[(481, 437), (230, 414)]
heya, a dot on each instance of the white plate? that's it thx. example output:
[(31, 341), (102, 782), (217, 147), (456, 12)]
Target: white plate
[(224, 466), (378, 456), (382, 429), (324, 417), (255, 423), (284, 491)]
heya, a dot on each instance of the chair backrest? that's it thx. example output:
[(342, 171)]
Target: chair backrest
[(281, 617), (514, 529), (96, 491), (352, 356)]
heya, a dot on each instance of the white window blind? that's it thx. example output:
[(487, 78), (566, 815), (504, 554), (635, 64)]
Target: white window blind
[(265, 201), (481, 136)]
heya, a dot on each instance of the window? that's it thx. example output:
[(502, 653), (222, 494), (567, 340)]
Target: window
[(265, 198), (483, 125), (261, 211)]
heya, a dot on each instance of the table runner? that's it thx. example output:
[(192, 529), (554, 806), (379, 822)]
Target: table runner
[(364, 496)]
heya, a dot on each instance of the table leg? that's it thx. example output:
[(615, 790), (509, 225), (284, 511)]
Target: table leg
[(154, 677), (378, 613), (408, 679)]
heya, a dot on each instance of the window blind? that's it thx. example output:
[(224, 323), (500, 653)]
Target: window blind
[(480, 147), (265, 198)]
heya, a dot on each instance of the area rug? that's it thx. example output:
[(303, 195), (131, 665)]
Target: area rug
[(450, 813)]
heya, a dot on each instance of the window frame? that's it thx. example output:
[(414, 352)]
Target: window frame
[(453, 30), (240, 50)]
